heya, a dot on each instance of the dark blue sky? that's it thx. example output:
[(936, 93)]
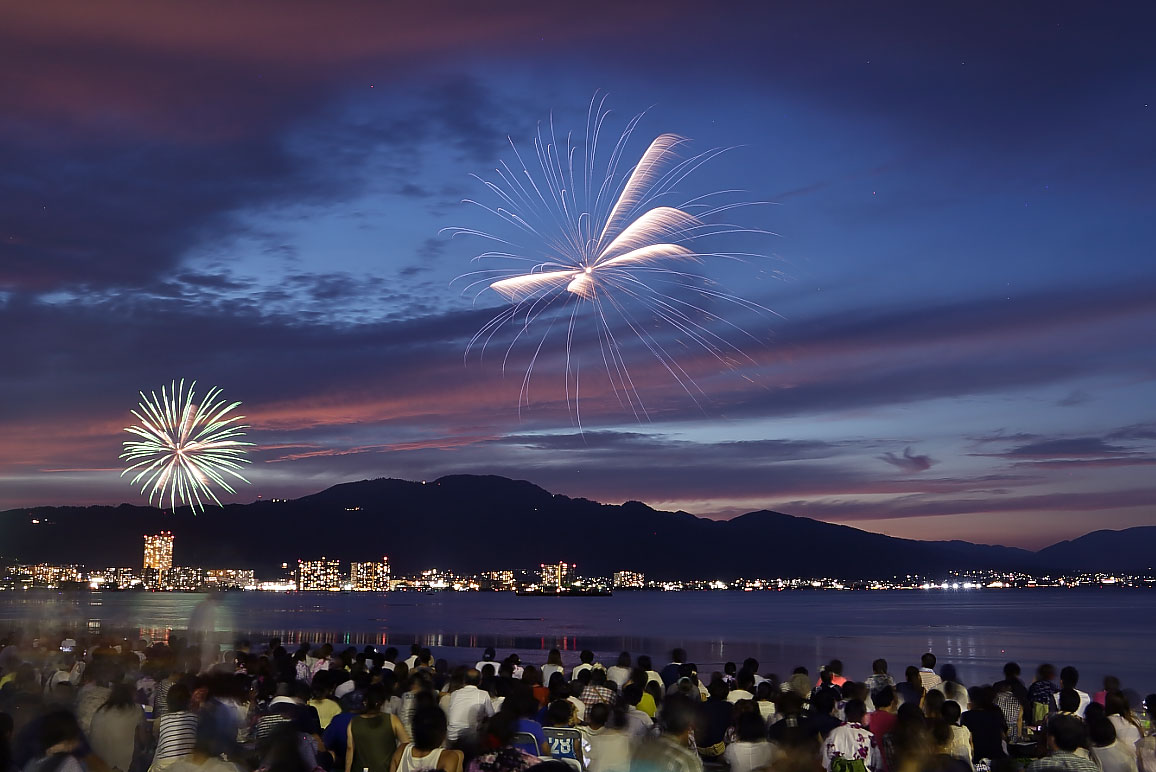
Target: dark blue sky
[(252, 196)]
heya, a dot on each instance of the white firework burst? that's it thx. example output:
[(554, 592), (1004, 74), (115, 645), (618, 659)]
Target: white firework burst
[(596, 245), (185, 448)]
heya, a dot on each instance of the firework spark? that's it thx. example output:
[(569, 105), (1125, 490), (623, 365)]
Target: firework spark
[(597, 246), (185, 448)]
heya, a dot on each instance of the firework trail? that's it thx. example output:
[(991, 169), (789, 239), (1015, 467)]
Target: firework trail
[(597, 245), (185, 448)]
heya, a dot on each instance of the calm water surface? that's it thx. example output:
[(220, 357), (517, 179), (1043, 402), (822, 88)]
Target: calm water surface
[(1099, 631)]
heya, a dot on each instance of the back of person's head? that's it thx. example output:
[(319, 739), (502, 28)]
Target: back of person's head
[(532, 675), (632, 693), (1068, 700), (854, 711), (789, 703), (823, 703), (883, 697), (879, 667), (678, 714), (624, 659), (554, 657), (910, 713), (586, 657), (472, 677), (429, 728), (750, 727), (751, 665), (584, 676), (951, 711), (982, 697), (1111, 683), (764, 692), (1011, 670), (644, 662), (374, 698), (836, 666), (414, 649), (1069, 677), (559, 713), (730, 668), (912, 676), (489, 654), (678, 655), (800, 670), (745, 680), (927, 660), (1094, 712), (933, 703), (56, 727), (1067, 733), (948, 673), (121, 696), (941, 732), (1045, 672), (1101, 732), (718, 690), (391, 654), (597, 677), (1116, 704), (598, 715)]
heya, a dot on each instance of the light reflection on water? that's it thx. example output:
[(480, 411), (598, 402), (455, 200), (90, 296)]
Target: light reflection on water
[(1099, 631)]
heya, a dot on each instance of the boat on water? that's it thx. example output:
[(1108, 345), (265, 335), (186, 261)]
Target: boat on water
[(564, 592)]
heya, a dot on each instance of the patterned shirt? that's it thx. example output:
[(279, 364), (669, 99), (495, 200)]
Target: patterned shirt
[(850, 741), (1061, 760), (592, 695), (176, 734), (1012, 710)]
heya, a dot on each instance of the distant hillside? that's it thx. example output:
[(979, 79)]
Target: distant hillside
[(471, 523), (1133, 549)]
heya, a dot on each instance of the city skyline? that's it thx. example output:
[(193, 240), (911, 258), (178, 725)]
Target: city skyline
[(960, 274)]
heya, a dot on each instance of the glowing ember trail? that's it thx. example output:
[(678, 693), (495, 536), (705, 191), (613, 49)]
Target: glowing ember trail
[(185, 448), (593, 248)]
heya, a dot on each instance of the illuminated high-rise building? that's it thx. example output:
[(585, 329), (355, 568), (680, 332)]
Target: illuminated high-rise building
[(557, 574), (633, 580), (321, 574), (372, 576), (158, 552)]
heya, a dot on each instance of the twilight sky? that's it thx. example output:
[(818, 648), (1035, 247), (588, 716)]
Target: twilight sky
[(251, 195)]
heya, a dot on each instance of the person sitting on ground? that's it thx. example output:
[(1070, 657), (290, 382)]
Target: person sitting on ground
[(1042, 694), (879, 677), (117, 728), (1069, 679), (560, 714), (498, 734), (322, 699), (586, 662), (927, 671), (835, 668), (596, 691), (911, 690), (523, 708), (619, 673), (799, 682), (606, 747), (950, 684), (1111, 684), (986, 723), (961, 746), (750, 750), (933, 704), (942, 759), (1012, 709), (790, 731), (60, 742), (765, 699), (177, 728), (425, 752), (827, 685), (487, 659), (1011, 677), (673, 750), (373, 737), (1066, 735), (469, 706), (713, 721), (553, 665), (673, 670), (652, 675), (1119, 712), (1106, 750), (822, 718), (1068, 701), (638, 722), (850, 746), (744, 685)]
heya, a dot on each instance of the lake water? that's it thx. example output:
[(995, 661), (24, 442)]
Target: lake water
[(1100, 631)]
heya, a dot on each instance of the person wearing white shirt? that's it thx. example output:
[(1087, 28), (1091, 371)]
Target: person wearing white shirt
[(553, 665), (487, 659), (1069, 677), (744, 688), (750, 750), (619, 673), (850, 740), (588, 663), (411, 660), (469, 706)]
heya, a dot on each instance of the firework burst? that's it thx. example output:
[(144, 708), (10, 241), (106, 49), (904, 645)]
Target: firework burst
[(185, 448), (598, 246)]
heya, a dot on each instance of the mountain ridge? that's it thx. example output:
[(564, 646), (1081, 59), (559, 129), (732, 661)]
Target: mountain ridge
[(471, 523)]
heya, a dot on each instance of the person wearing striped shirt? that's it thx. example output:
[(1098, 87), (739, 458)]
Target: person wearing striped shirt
[(177, 728)]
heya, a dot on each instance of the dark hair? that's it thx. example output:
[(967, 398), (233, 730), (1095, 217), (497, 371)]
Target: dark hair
[(879, 666), (391, 654), (951, 711), (489, 653), (854, 710), (644, 662), (179, 698), (586, 656), (1068, 733), (883, 696), (750, 727), (678, 655), (1011, 670), (429, 728), (559, 712), (624, 659), (374, 697), (927, 660), (632, 693), (948, 673), (598, 714), (1101, 732), (933, 703), (823, 703), (56, 727), (1068, 700), (835, 666), (121, 696), (1069, 677), (678, 713), (554, 657)]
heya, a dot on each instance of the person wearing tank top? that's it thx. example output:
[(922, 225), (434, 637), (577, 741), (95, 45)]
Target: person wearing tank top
[(425, 753)]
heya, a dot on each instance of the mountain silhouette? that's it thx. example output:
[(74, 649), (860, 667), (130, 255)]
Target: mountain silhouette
[(469, 523)]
